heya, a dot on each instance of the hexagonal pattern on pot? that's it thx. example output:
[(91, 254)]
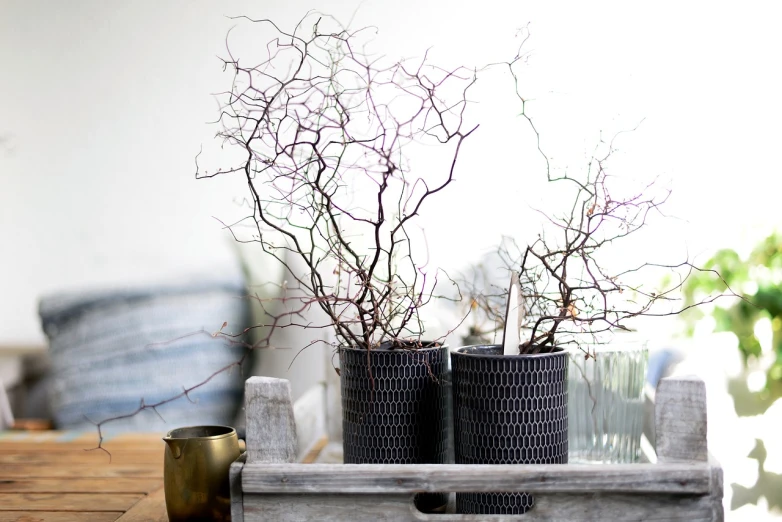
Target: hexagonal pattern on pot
[(508, 410), (394, 406)]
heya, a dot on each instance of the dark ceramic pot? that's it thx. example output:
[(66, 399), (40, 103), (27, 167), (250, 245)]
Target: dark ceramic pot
[(394, 408), (508, 409)]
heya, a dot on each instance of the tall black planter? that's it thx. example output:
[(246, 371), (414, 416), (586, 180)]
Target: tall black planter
[(508, 410), (394, 408)]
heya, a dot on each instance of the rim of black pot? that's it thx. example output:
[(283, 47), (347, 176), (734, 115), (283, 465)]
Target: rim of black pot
[(387, 347), (463, 351)]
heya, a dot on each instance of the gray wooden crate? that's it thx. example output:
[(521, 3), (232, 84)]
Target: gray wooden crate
[(682, 482)]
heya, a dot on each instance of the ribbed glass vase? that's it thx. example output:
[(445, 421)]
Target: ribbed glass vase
[(605, 404)]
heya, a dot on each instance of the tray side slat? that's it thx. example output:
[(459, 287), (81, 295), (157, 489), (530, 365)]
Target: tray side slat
[(681, 478), (683, 485), (548, 507), (235, 485)]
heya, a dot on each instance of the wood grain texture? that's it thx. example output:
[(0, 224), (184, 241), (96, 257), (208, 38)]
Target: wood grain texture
[(58, 516), (684, 485), (6, 447), (620, 507), (67, 501), (81, 458), (151, 508), (324, 508), (399, 508), (144, 455), (235, 485), (47, 476), (684, 478), (78, 485), (87, 471), (680, 420), (271, 428)]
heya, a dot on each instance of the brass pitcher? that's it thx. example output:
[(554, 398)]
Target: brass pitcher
[(195, 473)]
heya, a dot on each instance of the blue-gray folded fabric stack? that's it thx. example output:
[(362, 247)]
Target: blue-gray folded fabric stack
[(112, 349)]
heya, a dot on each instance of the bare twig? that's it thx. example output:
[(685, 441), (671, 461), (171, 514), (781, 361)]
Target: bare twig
[(323, 125)]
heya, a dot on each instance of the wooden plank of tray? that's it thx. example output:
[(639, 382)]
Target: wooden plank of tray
[(684, 478), (548, 507), (683, 485), (235, 485)]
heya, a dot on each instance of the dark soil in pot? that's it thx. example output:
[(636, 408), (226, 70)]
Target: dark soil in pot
[(394, 408), (508, 410)]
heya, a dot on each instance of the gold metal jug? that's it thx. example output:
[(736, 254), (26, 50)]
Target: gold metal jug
[(195, 473)]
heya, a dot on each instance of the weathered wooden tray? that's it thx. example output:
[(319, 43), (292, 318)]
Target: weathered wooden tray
[(277, 482)]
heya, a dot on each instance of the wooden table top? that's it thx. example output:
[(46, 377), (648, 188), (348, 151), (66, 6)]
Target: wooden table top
[(48, 476)]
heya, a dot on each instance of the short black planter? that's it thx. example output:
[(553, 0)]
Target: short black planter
[(508, 410), (394, 408)]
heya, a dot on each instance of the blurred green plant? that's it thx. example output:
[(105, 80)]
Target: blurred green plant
[(757, 280)]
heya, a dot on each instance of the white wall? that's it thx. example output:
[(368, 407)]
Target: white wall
[(104, 106)]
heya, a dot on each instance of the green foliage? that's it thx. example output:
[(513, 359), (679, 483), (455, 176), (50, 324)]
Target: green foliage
[(758, 281)]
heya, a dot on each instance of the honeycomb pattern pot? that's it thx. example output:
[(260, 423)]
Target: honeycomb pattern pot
[(508, 410), (394, 408)]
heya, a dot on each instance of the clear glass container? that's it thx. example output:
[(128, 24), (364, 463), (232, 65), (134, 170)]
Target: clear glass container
[(605, 403)]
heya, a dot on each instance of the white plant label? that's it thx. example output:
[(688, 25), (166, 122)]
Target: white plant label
[(514, 315)]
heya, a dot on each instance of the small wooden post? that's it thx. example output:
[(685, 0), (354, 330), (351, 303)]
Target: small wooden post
[(680, 420), (235, 485), (271, 428)]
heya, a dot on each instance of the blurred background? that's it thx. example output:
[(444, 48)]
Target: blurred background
[(104, 105)]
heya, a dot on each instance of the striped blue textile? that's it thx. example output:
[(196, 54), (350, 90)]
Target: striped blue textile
[(111, 349)]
